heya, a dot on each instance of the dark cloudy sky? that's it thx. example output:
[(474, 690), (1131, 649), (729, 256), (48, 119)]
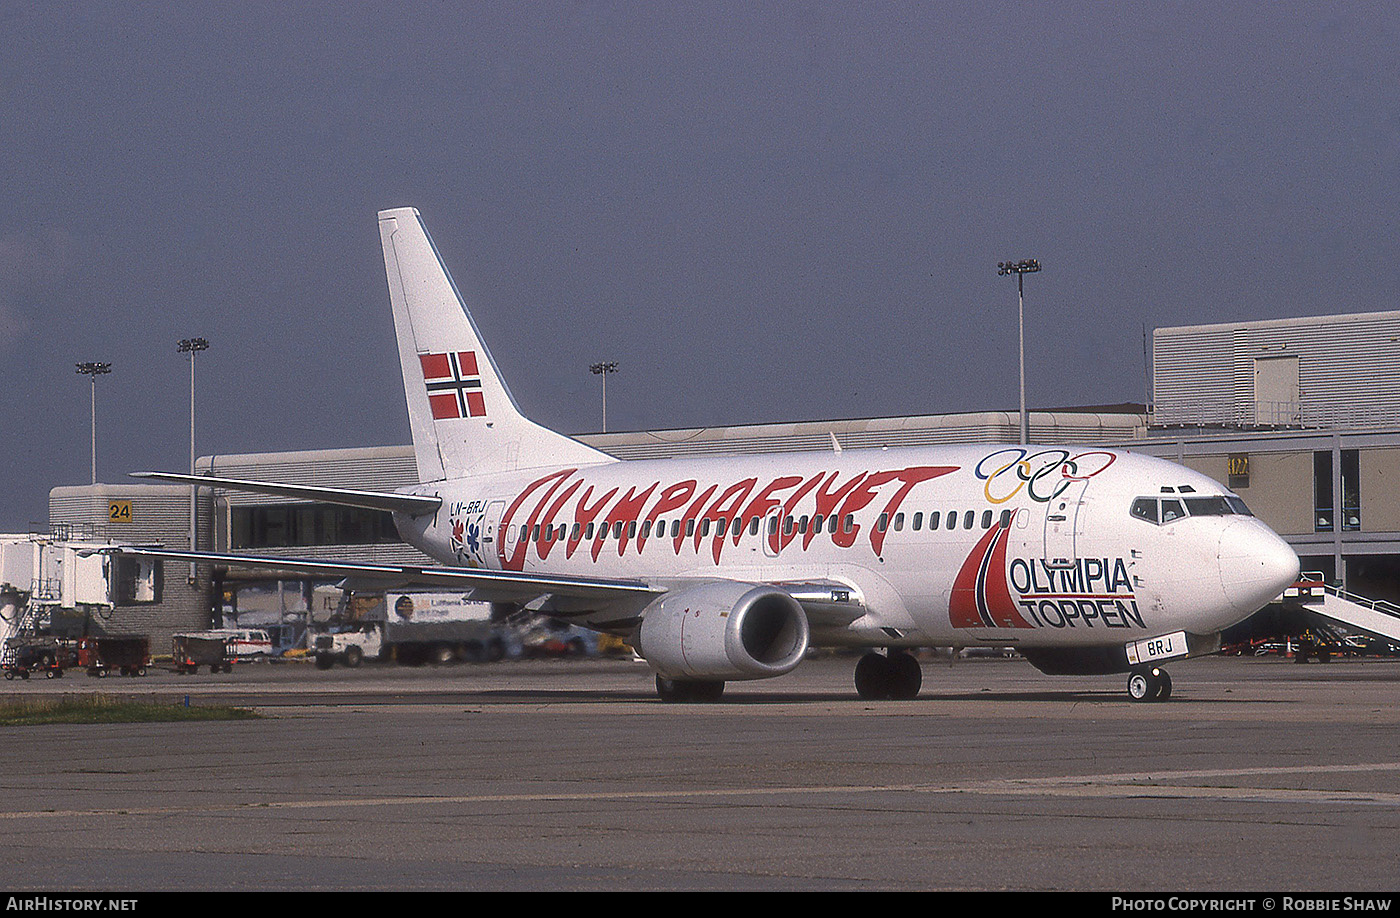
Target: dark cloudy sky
[(762, 211)]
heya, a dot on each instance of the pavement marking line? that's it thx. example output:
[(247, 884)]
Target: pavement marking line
[(1129, 785)]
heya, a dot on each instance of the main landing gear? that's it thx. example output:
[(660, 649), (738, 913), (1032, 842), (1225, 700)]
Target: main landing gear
[(689, 691), (892, 676), (1149, 684)]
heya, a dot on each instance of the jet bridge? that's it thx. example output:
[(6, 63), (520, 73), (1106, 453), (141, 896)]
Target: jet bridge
[(1372, 616)]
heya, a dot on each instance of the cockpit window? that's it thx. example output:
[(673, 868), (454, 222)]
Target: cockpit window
[(1145, 508), (1208, 506), (1161, 511)]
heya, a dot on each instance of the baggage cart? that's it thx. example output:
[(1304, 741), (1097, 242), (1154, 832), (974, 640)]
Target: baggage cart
[(129, 654), (191, 651)]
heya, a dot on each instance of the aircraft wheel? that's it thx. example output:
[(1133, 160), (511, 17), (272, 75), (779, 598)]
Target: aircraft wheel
[(906, 676), (884, 677), (708, 692), (686, 691), (871, 676), (1149, 685)]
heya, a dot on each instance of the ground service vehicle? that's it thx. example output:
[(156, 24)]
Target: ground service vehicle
[(27, 655), (414, 629), (244, 643), (210, 648), (129, 654)]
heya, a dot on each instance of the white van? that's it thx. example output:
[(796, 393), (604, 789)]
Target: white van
[(247, 643)]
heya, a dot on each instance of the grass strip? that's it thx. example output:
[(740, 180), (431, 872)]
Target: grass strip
[(103, 709)]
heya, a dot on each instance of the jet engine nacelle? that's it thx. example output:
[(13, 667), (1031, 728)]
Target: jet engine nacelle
[(722, 631)]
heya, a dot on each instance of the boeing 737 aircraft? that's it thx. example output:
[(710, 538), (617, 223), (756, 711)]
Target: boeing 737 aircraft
[(1087, 561)]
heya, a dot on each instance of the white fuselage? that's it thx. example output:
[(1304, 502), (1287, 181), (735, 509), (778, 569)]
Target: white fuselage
[(943, 546)]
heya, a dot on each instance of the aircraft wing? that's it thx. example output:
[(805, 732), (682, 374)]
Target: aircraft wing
[(412, 504), (826, 603), (487, 585)]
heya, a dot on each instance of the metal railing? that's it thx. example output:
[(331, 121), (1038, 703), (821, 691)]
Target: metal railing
[(1195, 411), (1383, 606)]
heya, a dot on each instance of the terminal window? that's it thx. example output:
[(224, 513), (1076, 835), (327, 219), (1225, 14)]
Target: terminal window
[(291, 525), (1325, 509)]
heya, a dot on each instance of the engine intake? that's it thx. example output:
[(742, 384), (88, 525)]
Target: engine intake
[(723, 630)]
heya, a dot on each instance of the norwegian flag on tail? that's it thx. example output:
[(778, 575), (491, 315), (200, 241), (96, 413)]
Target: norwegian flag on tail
[(454, 385)]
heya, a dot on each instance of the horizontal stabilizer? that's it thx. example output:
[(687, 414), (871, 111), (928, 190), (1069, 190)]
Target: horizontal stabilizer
[(411, 504)]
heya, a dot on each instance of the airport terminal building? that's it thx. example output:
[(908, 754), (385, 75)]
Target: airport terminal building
[(1300, 417)]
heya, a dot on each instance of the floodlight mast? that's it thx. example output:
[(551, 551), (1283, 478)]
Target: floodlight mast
[(603, 369), (1021, 269), (192, 346), (92, 371)]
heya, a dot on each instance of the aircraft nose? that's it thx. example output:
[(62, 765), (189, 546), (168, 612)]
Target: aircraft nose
[(1255, 565)]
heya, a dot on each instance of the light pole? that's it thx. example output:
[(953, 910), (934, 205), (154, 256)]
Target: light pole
[(603, 369), (1021, 269), (92, 371), (192, 346)]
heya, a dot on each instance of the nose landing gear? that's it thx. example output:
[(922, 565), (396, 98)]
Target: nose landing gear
[(1150, 684)]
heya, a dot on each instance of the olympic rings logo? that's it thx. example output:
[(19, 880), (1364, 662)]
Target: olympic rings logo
[(1045, 475)]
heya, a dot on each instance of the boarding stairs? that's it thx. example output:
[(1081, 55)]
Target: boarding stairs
[(1375, 617), (15, 631), (24, 616)]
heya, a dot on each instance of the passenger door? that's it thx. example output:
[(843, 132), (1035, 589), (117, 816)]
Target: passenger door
[(1062, 523)]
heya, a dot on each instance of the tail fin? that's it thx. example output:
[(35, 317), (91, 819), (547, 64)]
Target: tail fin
[(463, 417)]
